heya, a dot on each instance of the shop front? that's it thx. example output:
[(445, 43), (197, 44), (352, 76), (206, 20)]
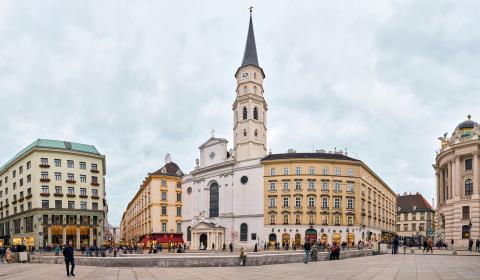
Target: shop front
[(311, 235), (164, 239)]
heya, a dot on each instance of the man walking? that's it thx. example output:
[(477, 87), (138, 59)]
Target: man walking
[(307, 248), (224, 248), (231, 247), (68, 255)]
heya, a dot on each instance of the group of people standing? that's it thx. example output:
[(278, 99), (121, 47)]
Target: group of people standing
[(312, 248)]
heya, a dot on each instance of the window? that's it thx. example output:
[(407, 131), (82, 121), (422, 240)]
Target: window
[(298, 170), (244, 232), (94, 180), (298, 201), (298, 219), (164, 226), (255, 112), (298, 185), (70, 177), (58, 176), (272, 171), (71, 204), (337, 171), (45, 189), (245, 113), (44, 161), (244, 132), (324, 202), (70, 164), (349, 187), (311, 170), (255, 133), (29, 178), (94, 167), (311, 201), (21, 182), (71, 191), (94, 205), (350, 172), (273, 202), (350, 203), (468, 164), (43, 175), (29, 205), (285, 219), (325, 170), (94, 192), (83, 205), (179, 227), (285, 185), (336, 187), (14, 173), (214, 200), (164, 196), (337, 219), (311, 219), (324, 186), (83, 165), (58, 162), (414, 226), (336, 202), (468, 187), (83, 191), (285, 202), (405, 227), (465, 212), (179, 211), (20, 170), (58, 204), (422, 216), (163, 183), (58, 190), (273, 218), (179, 197), (29, 165), (285, 171), (324, 220), (311, 184), (272, 186)]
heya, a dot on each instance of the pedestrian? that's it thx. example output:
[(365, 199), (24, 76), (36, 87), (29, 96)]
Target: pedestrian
[(265, 246), (224, 247), (452, 243), (307, 246), (425, 245), (57, 250), (68, 253), (213, 247), (430, 246), (470, 245), (314, 253), (256, 248), (243, 256), (231, 247), (477, 244), (8, 255)]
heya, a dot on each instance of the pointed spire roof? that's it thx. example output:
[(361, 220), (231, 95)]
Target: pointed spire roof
[(250, 54)]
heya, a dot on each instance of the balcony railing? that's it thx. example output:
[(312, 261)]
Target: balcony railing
[(28, 196), (95, 197), (44, 180), (71, 195), (58, 194), (45, 194), (14, 201), (71, 181), (21, 199), (83, 196), (94, 170), (95, 184), (43, 165)]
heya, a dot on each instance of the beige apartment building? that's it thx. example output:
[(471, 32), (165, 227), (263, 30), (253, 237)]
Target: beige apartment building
[(458, 185), (51, 192), (414, 218), (328, 197), (154, 215)]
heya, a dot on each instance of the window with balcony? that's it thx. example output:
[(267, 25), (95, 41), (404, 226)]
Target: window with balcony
[(94, 167), (45, 190), (44, 175), (58, 190), (83, 191), (94, 192), (71, 190), (70, 177), (44, 162), (83, 179)]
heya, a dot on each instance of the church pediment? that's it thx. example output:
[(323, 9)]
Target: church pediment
[(213, 141), (205, 225)]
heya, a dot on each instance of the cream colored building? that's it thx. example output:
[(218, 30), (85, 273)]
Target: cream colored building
[(414, 218), (458, 189), (154, 215), (328, 197), (51, 192)]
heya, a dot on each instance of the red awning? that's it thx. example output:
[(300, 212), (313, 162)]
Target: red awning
[(167, 238)]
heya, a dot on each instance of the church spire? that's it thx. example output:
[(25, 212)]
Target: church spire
[(250, 54)]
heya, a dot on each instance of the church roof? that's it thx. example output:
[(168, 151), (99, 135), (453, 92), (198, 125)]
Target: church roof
[(250, 53), (169, 169)]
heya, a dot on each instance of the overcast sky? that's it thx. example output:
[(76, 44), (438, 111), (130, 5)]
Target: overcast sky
[(139, 79)]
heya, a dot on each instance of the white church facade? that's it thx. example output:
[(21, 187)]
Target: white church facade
[(223, 195)]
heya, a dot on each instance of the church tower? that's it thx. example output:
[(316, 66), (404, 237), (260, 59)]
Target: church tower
[(250, 108)]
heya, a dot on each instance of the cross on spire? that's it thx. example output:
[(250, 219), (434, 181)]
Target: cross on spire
[(212, 131)]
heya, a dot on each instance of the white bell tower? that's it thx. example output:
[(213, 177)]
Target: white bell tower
[(250, 108)]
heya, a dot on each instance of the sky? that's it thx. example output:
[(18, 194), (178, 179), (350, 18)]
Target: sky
[(140, 79)]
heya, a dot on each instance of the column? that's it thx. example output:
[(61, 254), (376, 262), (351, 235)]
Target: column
[(441, 189), (454, 175), (458, 177), (450, 184), (64, 236), (77, 242), (49, 240), (90, 237), (476, 188)]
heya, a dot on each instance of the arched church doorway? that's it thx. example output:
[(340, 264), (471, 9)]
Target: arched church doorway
[(203, 241)]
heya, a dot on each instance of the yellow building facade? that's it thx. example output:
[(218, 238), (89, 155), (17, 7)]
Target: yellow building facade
[(154, 215), (327, 197)]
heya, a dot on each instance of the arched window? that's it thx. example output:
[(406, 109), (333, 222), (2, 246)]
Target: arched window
[(189, 234), (468, 187), (256, 133), (255, 89), (244, 89), (255, 113), (244, 132), (243, 232), (245, 113), (214, 197)]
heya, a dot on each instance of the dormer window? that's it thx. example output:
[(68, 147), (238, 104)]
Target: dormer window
[(414, 207)]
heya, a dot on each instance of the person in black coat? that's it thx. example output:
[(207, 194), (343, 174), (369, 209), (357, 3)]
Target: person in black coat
[(68, 253)]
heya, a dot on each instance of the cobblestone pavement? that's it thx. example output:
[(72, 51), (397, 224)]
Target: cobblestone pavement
[(375, 267)]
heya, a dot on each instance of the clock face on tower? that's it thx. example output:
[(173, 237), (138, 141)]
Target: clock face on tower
[(245, 75)]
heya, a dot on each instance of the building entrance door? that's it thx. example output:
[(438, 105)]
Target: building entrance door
[(203, 241)]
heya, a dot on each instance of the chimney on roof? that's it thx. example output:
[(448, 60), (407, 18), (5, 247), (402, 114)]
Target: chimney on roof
[(168, 159)]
